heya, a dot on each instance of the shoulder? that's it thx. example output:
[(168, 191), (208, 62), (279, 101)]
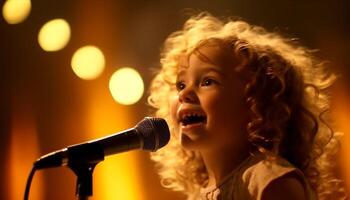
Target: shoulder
[(274, 179), (288, 187)]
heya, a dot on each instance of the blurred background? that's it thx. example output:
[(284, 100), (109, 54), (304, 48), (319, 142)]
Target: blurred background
[(67, 69)]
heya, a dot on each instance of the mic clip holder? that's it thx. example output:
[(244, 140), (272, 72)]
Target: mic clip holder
[(84, 166)]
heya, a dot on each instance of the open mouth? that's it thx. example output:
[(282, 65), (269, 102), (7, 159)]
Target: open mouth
[(191, 119)]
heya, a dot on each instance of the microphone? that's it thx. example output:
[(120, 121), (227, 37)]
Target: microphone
[(149, 134)]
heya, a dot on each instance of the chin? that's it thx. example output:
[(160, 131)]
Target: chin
[(193, 143)]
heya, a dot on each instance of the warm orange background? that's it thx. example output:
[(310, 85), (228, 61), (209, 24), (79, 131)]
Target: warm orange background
[(45, 107)]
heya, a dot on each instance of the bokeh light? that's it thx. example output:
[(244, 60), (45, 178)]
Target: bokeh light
[(126, 86), (54, 35), (88, 62), (16, 11)]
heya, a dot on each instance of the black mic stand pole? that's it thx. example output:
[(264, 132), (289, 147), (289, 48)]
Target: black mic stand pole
[(83, 166), (83, 172)]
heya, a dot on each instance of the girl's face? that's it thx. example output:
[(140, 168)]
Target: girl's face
[(209, 109)]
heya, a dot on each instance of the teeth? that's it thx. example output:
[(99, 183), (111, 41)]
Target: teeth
[(188, 118), (192, 115)]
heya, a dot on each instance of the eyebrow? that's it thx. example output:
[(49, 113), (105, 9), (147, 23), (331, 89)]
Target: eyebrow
[(214, 69), (182, 70)]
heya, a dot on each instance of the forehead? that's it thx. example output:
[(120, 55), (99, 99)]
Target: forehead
[(211, 54)]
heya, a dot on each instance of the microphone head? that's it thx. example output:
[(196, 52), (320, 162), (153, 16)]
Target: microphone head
[(154, 132)]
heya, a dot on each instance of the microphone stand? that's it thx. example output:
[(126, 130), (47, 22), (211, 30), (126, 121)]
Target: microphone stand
[(84, 167), (84, 179)]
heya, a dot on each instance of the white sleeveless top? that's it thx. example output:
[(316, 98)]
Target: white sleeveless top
[(251, 177)]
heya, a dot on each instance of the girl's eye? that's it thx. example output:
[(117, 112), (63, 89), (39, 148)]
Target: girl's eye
[(208, 82), (180, 85)]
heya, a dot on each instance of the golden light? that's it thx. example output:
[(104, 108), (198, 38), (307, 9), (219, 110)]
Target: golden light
[(22, 153), (88, 62), (126, 86), (118, 176), (341, 115), (16, 11), (54, 35)]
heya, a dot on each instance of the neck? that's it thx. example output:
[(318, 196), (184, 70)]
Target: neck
[(220, 163)]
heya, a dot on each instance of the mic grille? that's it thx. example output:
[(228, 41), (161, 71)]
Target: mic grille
[(154, 132)]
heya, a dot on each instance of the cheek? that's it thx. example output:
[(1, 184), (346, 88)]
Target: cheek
[(216, 108), (216, 102), (235, 106), (222, 110), (227, 108)]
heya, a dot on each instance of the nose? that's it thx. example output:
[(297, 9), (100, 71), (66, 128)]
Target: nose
[(188, 95)]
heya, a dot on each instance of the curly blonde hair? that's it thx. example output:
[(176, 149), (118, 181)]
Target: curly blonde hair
[(286, 90)]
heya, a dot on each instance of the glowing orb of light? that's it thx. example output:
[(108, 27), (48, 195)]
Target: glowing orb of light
[(126, 86), (54, 35), (88, 62), (16, 11)]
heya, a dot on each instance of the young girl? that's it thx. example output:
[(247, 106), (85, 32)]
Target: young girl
[(246, 111)]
